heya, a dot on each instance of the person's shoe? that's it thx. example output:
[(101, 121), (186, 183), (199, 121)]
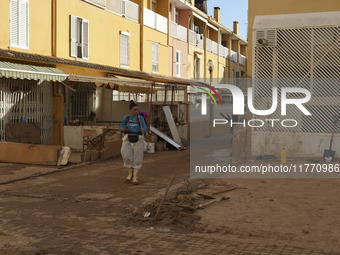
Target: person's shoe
[(130, 175), (135, 176)]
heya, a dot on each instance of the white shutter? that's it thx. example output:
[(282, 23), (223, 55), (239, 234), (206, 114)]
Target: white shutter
[(85, 40), (73, 35), (23, 24), (124, 50), (178, 63), (14, 23), (155, 57)]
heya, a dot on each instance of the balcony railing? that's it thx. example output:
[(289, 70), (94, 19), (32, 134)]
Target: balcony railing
[(224, 51), (178, 31), (209, 47), (125, 8), (214, 46), (233, 56), (182, 33), (242, 60), (155, 21), (196, 39)]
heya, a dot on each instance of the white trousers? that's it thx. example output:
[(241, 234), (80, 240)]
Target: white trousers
[(133, 153)]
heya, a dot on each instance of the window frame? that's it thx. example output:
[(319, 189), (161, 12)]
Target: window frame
[(19, 25), (126, 35), (76, 42), (155, 62)]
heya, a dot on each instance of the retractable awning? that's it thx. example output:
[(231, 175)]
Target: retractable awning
[(31, 72), (121, 84)]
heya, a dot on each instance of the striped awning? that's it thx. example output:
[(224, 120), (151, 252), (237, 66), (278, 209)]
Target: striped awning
[(31, 72)]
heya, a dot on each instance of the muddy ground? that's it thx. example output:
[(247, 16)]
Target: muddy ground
[(91, 210)]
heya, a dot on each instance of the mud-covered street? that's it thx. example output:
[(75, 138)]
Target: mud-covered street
[(89, 209)]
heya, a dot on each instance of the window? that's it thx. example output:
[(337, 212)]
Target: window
[(175, 15), (196, 29), (79, 45), (19, 24), (197, 67), (178, 63), (155, 57), (153, 5), (124, 49), (223, 79), (120, 96)]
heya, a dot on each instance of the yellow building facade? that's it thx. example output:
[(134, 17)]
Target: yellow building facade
[(169, 42)]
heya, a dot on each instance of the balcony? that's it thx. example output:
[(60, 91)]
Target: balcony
[(212, 46), (178, 31), (224, 51), (155, 21), (196, 39), (242, 60), (233, 56), (125, 8)]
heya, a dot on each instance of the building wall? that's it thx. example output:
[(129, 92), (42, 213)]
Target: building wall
[(40, 27), (150, 36), (272, 7), (104, 33), (175, 44), (191, 66)]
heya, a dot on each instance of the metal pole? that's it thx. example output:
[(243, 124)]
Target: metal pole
[(210, 105)]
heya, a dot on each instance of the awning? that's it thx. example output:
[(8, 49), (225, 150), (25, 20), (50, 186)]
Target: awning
[(31, 72), (121, 84)]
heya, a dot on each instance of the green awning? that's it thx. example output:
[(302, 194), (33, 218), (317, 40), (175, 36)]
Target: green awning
[(31, 72)]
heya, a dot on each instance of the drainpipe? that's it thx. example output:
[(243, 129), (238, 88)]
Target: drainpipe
[(58, 116), (54, 28), (141, 23)]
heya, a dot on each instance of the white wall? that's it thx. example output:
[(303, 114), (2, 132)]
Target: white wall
[(296, 144)]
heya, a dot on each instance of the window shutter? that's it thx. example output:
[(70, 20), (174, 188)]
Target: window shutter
[(178, 63), (73, 36), (14, 23), (85, 39), (155, 57), (124, 50), (23, 23)]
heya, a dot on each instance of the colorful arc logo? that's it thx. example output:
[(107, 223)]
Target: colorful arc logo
[(208, 92)]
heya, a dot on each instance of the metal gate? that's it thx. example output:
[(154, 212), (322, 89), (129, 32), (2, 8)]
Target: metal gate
[(26, 101), (299, 57)]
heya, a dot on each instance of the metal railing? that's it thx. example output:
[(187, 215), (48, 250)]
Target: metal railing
[(214, 47), (209, 46), (224, 51), (125, 8), (182, 33), (155, 21), (233, 56), (242, 60), (196, 39), (131, 10), (178, 31)]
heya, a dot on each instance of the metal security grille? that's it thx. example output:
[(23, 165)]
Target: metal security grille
[(82, 102), (301, 57), (26, 101)]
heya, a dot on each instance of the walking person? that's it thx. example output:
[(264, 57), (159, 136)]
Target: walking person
[(134, 127)]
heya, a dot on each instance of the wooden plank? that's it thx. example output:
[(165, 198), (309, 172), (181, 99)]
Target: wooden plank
[(23, 133), (172, 125), (29, 153)]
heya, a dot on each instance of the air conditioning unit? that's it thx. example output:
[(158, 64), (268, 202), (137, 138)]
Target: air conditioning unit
[(265, 38)]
